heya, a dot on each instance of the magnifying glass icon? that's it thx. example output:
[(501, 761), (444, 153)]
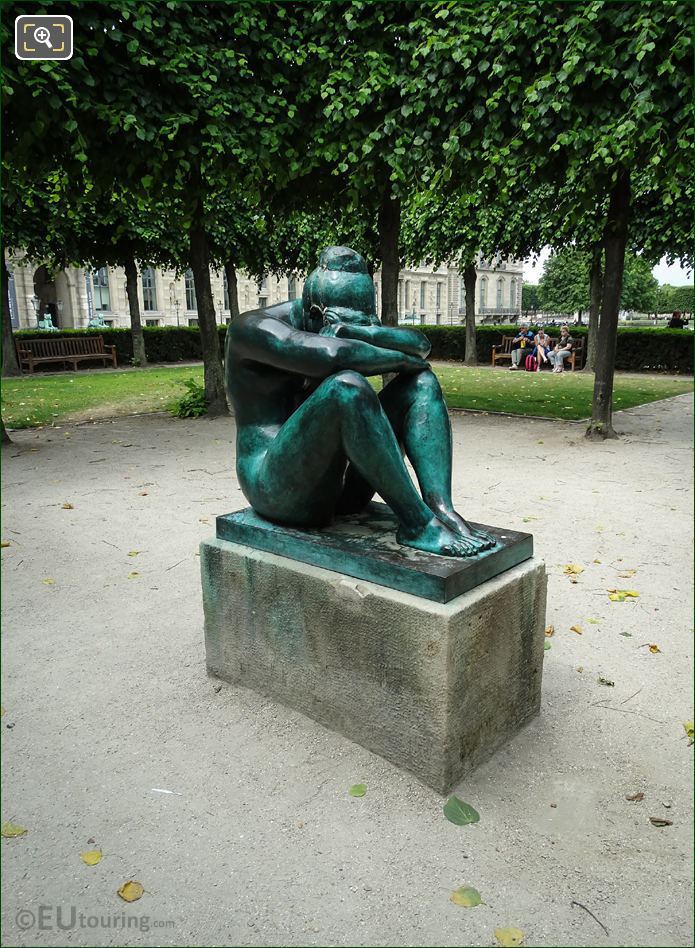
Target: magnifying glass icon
[(43, 35)]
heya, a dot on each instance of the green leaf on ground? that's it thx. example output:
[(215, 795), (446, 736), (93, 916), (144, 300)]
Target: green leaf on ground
[(547, 646), (9, 830), (456, 811), (357, 790), (466, 896)]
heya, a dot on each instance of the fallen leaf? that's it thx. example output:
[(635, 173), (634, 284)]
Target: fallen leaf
[(131, 891), (550, 630), (594, 621), (528, 519), (628, 635), (597, 561), (547, 646), (143, 493), (48, 581), (605, 681), (660, 821), (580, 668), (576, 628), (689, 729), (635, 797), (620, 595), (133, 552), (4, 543), (456, 811), (573, 568), (68, 506), (91, 857), (627, 573), (654, 649), (133, 575), (509, 937), (8, 830), (466, 896), (357, 790)]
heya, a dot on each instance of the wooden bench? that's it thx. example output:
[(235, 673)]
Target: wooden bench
[(503, 352), (67, 349)]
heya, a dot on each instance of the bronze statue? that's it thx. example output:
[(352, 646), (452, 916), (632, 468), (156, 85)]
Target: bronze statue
[(313, 437)]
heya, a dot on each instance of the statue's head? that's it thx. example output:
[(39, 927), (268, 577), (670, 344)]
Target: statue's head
[(341, 288)]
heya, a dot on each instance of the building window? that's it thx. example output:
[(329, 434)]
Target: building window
[(109, 323), (152, 322), (102, 297), (423, 289), (149, 292), (439, 297), (191, 301), (512, 294), (193, 323), (291, 288), (483, 294), (500, 284)]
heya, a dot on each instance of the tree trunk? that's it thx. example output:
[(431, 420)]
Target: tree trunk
[(579, 317), (596, 289), (469, 278), (5, 437), (232, 289), (131, 288), (215, 397), (389, 235), (10, 363), (614, 240)]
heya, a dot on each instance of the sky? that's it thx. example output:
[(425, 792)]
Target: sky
[(675, 274)]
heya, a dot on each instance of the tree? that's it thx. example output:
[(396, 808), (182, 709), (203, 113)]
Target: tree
[(674, 298), (530, 299), (10, 364), (564, 284)]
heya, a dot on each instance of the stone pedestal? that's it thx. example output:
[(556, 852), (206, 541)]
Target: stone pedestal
[(434, 687)]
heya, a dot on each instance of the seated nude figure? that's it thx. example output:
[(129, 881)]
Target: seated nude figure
[(313, 437)]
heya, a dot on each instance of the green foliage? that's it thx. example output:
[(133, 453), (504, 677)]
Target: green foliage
[(648, 350), (564, 285), (191, 405), (530, 298), (670, 299)]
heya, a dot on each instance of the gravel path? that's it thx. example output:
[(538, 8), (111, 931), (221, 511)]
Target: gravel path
[(107, 702)]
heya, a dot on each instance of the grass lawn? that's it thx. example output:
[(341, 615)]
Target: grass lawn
[(35, 400)]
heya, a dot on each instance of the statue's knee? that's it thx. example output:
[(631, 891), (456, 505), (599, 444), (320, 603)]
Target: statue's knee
[(427, 383), (350, 386)]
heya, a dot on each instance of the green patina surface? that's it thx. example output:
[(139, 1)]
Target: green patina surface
[(364, 546)]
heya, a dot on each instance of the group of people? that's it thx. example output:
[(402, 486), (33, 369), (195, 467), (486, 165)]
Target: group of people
[(538, 347)]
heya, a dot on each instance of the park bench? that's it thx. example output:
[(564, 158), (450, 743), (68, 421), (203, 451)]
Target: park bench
[(67, 349), (503, 352)]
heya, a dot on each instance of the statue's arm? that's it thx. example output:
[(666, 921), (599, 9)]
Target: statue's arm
[(409, 341), (273, 342)]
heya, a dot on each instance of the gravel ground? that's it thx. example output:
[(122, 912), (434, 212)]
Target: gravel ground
[(107, 702)]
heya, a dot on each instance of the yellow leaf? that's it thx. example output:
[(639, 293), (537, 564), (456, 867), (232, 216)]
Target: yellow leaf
[(133, 552), (654, 649), (4, 543), (8, 830), (131, 891), (573, 568), (91, 857), (627, 573), (133, 575), (689, 729), (48, 581), (68, 506), (550, 630), (509, 937), (594, 621), (597, 561), (631, 593), (576, 628)]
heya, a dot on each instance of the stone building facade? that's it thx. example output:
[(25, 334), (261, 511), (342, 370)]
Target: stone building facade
[(74, 295)]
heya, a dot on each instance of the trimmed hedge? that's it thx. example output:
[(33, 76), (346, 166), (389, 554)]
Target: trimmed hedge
[(639, 349)]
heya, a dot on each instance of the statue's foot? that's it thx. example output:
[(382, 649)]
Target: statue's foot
[(481, 540), (437, 537)]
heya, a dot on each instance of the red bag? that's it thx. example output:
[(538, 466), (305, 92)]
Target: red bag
[(530, 363)]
